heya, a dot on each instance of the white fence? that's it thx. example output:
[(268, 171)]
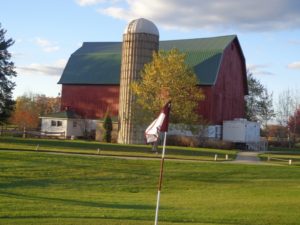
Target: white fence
[(279, 159), (32, 133)]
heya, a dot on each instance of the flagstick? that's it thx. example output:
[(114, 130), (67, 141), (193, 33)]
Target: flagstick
[(160, 178)]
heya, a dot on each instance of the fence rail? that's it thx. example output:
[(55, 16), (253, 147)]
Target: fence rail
[(279, 159), (261, 145)]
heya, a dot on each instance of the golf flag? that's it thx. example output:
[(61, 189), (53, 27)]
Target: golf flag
[(160, 124)]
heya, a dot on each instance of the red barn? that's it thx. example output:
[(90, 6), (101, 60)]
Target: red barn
[(90, 81)]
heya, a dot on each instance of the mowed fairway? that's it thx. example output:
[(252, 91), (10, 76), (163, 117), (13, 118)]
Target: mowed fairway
[(42, 188)]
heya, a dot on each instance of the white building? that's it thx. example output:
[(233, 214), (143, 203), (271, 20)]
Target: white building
[(241, 131), (66, 124)]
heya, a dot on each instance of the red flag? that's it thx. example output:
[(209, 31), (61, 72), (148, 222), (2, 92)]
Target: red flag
[(160, 124)]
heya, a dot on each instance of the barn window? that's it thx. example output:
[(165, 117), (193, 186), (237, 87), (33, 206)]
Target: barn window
[(59, 123), (53, 123)]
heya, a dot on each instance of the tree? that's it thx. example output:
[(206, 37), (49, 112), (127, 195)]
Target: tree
[(30, 106), (6, 74), (277, 131), (107, 126), (46, 105), (284, 107), (259, 103), (168, 77), (294, 122), (255, 89), (265, 109), (288, 103), (25, 114)]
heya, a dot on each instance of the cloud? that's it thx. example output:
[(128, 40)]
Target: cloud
[(54, 69), (254, 15), (89, 2), (294, 65), (118, 13), (294, 42), (46, 45), (259, 69)]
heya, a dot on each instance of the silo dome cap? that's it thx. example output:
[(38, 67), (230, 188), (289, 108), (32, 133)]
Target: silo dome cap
[(141, 25)]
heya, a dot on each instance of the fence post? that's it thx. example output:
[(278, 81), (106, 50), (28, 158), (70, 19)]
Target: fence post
[(24, 132), (290, 162), (98, 151), (226, 157), (37, 147), (216, 157)]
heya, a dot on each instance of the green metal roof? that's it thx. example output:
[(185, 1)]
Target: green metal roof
[(100, 62), (67, 114)]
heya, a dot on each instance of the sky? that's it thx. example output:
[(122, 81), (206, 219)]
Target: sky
[(47, 32)]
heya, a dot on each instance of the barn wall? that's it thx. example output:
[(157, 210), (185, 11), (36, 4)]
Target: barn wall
[(205, 106), (224, 101), (91, 101), (228, 93)]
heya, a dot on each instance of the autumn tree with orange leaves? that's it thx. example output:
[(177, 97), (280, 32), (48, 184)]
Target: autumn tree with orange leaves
[(29, 107), (294, 122)]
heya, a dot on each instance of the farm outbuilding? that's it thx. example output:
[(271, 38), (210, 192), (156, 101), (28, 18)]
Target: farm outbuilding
[(65, 123), (91, 79)]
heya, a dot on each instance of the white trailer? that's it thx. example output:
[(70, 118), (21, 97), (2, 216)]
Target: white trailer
[(241, 131)]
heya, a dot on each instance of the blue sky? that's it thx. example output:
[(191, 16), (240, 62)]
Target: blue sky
[(47, 32)]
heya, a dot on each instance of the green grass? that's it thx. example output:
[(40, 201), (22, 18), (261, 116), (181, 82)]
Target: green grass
[(90, 147), (281, 157), (285, 149), (40, 188)]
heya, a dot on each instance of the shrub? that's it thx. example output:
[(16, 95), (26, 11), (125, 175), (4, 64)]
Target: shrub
[(187, 141), (219, 144), (107, 126), (282, 143)]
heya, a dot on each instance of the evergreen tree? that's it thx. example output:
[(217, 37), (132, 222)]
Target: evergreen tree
[(107, 126), (259, 103), (6, 74), (255, 89)]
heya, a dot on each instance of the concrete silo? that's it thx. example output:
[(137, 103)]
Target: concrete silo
[(140, 39)]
